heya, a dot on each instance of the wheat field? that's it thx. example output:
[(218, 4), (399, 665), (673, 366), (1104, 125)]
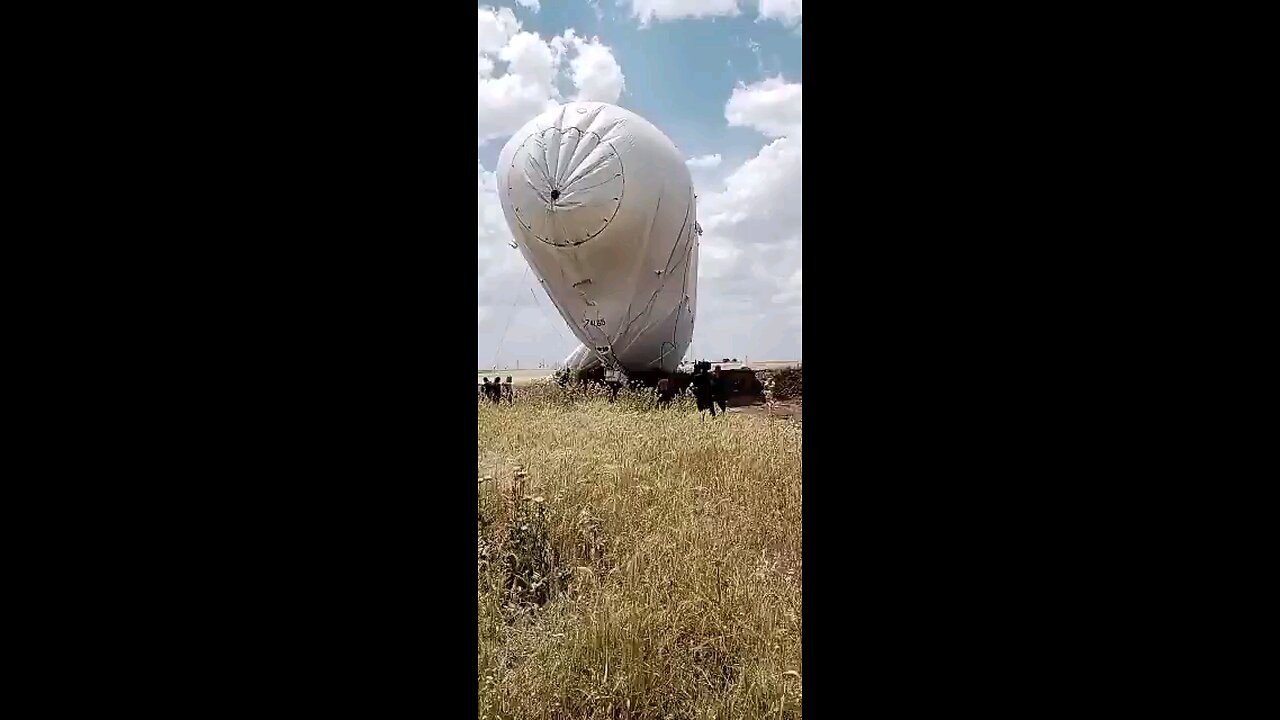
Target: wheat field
[(636, 563)]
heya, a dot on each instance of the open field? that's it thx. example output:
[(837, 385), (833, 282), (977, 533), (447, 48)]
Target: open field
[(518, 377), (526, 376), (636, 563)]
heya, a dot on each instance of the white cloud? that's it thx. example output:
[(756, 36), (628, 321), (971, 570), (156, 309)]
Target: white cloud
[(498, 265), (771, 106), (496, 26), (593, 69), (786, 12), (530, 58), (535, 6), (761, 199), (750, 286), (519, 73), (646, 10), (704, 161)]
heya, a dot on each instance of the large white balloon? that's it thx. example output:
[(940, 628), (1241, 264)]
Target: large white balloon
[(602, 207)]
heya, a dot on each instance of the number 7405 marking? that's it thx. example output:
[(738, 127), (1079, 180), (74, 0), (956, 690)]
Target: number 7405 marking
[(597, 322)]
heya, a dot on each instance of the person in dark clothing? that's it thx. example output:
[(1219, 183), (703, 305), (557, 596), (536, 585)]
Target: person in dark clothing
[(508, 391), (664, 392), (702, 391), (488, 391), (613, 382), (720, 390)]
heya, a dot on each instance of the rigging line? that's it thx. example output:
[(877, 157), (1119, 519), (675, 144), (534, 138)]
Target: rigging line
[(673, 314), (664, 353), (666, 273), (649, 305), (683, 225), (510, 315), (564, 314), (648, 231), (548, 319), (684, 299)]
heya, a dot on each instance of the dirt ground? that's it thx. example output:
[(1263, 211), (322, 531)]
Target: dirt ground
[(780, 410)]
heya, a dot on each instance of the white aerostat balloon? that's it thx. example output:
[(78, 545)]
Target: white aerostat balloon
[(602, 207)]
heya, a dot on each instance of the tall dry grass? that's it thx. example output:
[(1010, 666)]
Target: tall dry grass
[(635, 563)]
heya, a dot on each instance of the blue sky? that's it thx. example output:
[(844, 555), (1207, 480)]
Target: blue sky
[(718, 85)]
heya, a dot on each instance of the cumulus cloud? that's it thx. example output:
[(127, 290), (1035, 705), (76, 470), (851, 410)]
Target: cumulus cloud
[(593, 70), (772, 106), (520, 72), (786, 12), (535, 6), (496, 27), (761, 199), (704, 161), (646, 10), (498, 265), (750, 285)]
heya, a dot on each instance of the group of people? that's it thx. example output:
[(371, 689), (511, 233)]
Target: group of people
[(710, 388), (497, 390)]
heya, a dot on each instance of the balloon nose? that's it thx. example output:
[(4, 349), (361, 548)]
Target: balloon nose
[(565, 185)]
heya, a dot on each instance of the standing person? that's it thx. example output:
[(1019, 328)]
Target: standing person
[(664, 392), (720, 390), (488, 392), (613, 382), (508, 391), (702, 390)]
